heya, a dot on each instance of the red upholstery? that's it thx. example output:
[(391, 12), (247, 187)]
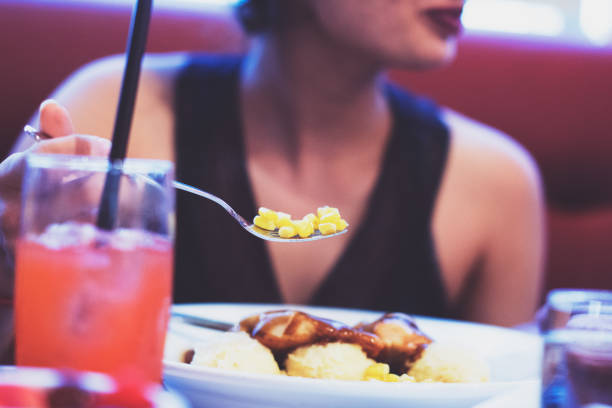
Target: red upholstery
[(555, 99)]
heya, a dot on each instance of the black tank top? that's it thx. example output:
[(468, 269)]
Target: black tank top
[(390, 263)]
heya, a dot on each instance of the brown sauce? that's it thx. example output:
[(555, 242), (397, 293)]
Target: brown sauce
[(394, 339)]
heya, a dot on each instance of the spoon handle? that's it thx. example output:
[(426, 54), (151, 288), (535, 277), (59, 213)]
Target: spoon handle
[(185, 187), (203, 322)]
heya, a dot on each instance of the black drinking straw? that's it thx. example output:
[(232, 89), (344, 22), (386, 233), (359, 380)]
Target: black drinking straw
[(137, 41)]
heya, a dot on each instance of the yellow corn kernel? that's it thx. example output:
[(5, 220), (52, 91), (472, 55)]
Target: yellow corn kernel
[(284, 219), (312, 218), (304, 228), (287, 231), (341, 225), (264, 223), (332, 217), (321, 211), (378, 370), (391, 378), (268, 214), (327, 228)]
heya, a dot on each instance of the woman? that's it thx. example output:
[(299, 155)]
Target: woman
[(445, 213)]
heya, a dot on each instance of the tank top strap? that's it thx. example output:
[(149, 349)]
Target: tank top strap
[(205, 110), (423, 139)]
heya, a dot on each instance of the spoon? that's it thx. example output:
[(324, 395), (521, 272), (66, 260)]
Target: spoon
[(252, 228), (203, 322)]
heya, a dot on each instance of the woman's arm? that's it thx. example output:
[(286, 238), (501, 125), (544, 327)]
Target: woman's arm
[(508, 280), (489, 226)]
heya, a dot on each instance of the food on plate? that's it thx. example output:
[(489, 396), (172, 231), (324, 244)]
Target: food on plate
[(339, 361), (403, 341), (327, 221), (442, 362), (285, 330), (380, 372), (390, 349), (235, 351)]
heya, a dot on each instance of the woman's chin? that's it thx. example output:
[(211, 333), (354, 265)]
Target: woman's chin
[(432, 56)]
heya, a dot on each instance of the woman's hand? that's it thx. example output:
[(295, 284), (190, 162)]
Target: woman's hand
[(55, 121)]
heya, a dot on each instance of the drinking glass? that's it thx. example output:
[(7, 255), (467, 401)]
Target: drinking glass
[(577, 359), (86, 298)]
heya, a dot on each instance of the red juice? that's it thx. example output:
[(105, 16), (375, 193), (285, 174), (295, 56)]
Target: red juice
[(91, 300)]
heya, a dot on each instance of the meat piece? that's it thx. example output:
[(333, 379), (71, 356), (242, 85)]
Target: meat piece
[(285, 330), (403, 340)]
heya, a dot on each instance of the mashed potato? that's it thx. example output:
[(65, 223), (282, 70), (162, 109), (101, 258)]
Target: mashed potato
[(340, 361), (236, 351), (445, 363)]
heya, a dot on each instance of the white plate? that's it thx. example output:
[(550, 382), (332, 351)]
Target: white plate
[(514, 358)]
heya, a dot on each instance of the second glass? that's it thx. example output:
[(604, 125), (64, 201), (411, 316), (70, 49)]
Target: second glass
[(577, 366), (90, 299)]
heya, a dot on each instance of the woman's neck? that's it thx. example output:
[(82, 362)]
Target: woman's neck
[(302, 94)]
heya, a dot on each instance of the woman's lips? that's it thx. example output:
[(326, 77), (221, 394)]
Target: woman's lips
[(447, 21)]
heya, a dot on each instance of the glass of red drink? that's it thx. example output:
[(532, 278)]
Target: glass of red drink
[(577, 359), (91, 299)]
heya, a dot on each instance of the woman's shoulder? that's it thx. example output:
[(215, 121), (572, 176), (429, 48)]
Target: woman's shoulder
[(490, 186), (489, 179), (91, 96), (489, 215), (158, 73), (103, 77), (489, 155)]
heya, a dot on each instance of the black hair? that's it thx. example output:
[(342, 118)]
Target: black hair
[(255, 16)]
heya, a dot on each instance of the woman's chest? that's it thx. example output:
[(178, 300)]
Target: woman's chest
[(300, 268)]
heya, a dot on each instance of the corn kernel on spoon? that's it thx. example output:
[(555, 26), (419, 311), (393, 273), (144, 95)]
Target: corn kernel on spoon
[(269, 235)]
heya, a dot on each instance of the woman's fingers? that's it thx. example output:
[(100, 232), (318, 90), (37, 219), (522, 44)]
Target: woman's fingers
[(55, 119), (11, 169)]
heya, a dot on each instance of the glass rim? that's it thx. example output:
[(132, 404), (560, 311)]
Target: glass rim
[(96, 163), (564, 299)]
